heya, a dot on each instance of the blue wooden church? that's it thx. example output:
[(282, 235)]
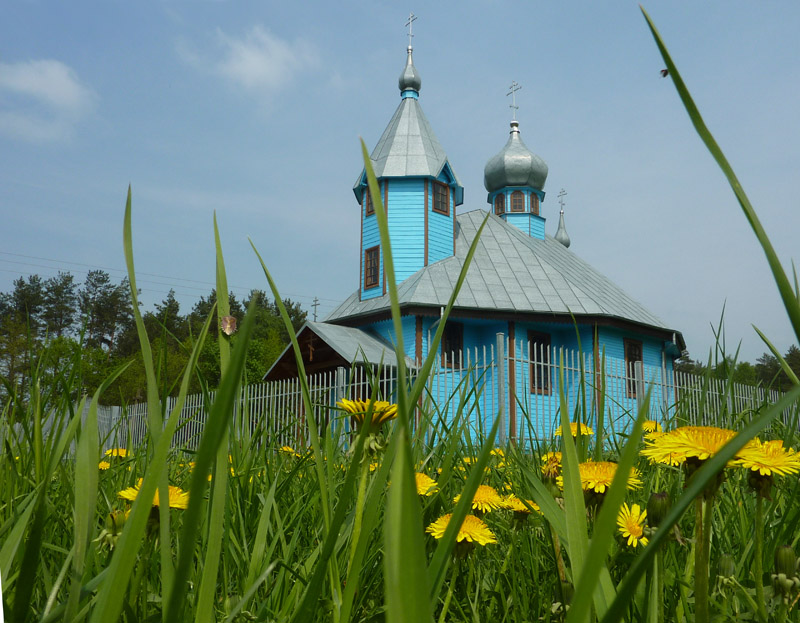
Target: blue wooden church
[(526, 301)]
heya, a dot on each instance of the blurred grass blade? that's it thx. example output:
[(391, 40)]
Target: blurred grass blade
[(790, 299), (87, 474), (112, 592), (695, 487), (219, 484), (787, 370), (605, 524)]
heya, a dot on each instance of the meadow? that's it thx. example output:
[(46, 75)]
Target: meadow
[(680, 524)]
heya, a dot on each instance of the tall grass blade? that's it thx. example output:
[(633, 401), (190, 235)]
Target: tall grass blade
[(695, 487), (605, 524), (788, 295), (219, 484)]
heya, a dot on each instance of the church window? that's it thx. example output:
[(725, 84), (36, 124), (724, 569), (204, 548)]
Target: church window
[(500, 204), (441, 198), (452, 344), (517, 201), (372, 258), (539, 355), (535, 204), (633, 355), (368, 207)]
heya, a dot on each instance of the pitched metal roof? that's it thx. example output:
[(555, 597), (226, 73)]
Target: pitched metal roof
[(510, 272), (350, 343), (407, 148)]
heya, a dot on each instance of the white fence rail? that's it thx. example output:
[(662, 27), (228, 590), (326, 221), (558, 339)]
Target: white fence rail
[(523, 391)]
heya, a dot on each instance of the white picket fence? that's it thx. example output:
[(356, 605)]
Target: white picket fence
[(524, 391)]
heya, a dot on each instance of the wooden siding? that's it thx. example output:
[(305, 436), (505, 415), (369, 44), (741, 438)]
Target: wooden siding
[(440, 230), (406, 226)]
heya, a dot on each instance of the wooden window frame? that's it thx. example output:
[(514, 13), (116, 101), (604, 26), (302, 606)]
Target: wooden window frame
[(452, 343), (499, 204), (630, 364), (517, 203), (535, 204), (540, 372), (369, 207), (372, 281), (441, 192)]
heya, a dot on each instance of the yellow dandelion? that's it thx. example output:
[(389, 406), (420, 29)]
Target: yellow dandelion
[(425, 484), (178, 498), (498, 452), (473, 530), (597, 476), (688, 442), (631, 524), (551, 464), (769, 458), (118, 452), (103, 465), (576, 428), (513, 503), (382, 411), (651, 426), (289, 450), (469, 460), (486, 499)]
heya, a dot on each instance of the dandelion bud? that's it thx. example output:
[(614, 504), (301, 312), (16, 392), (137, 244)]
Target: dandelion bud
[(785, 561), (657, 508), (726, 567), (115, 521)]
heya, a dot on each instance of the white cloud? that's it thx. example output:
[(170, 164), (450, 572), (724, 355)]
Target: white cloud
[(42, 100), (258, 60)]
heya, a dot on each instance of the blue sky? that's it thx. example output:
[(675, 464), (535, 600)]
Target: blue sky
[(255, 109)]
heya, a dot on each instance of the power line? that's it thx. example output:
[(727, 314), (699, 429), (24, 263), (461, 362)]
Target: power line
[(171, 283)]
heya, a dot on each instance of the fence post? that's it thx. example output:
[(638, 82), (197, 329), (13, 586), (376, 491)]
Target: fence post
[(339, 392), (501, 386), (638, 379)]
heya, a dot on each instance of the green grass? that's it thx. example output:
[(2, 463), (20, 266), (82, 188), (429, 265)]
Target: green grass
[(321, 536)]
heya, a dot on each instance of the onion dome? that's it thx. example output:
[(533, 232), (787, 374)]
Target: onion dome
[(515, 165), (409, 79), (561, 234)]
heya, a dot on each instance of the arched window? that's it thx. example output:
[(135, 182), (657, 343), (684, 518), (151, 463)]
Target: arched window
[(517, 201), (535, 204), (500, 204)]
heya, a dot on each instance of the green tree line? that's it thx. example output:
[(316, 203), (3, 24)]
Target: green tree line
[(48, 322), (766, 371)]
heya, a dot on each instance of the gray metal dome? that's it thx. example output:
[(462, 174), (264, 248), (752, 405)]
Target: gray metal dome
[(409, 78), (515, 165)]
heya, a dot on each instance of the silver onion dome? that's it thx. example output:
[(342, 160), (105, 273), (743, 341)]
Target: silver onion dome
[(561, 234), (409, 78), (515, 165)]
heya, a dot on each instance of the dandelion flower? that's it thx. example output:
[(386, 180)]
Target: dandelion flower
[(178, 498), (498, 452), (103, 465), (425, 484), (688, 442), (290, 451), (513, 503), (473, 530), (118, 452), (651, 426), (486, 499), (576, 428), (597, 476), (631, 524), (382, 411), (769, 458), (551, 465)]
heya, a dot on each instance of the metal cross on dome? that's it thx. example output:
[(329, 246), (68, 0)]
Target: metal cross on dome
[(513, 93), (411, 19), (561, 194)]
